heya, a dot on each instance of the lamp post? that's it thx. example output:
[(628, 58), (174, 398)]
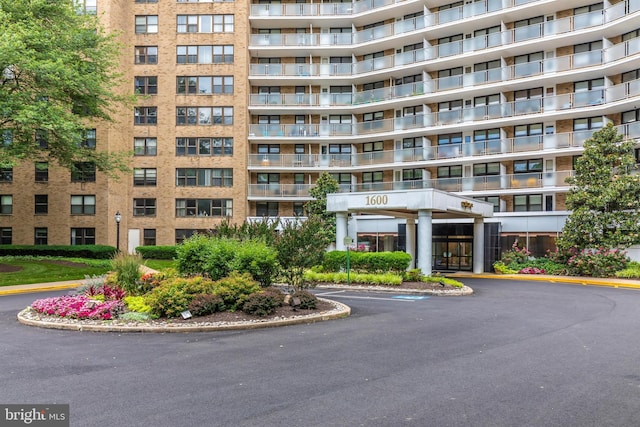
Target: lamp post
[(118, 218)]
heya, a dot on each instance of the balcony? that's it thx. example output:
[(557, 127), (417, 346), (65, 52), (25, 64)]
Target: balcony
[(481, 184)]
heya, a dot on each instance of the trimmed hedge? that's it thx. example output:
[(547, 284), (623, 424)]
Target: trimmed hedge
[(369, 262), (157, 252), (64, 251)]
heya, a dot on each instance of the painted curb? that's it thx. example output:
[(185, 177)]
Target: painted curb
[(464, 291), (343, 311), (38, 289), (585, 281)]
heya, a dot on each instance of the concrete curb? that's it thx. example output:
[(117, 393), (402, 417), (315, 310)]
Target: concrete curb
[(341, 311), (25, 289), (585, 281)]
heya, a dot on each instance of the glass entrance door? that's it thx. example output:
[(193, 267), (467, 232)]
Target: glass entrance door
[(452, 254)]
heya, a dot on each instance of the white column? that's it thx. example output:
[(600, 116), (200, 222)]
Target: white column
[(478, 245), (425, 240), (341, 230), (411, 242)]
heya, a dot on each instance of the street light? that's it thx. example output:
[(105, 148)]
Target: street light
[(118, 218)]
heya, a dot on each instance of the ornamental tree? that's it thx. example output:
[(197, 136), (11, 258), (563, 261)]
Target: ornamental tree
[(605, 195), (325, 184), (58, 70)]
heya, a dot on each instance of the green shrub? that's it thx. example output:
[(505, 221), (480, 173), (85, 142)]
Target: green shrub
[(157, 252), (137, 304), (631, 272), (193, 255), (204, 304), (388, 279), (168, 300), (134, 316), (308, 301), (501, 268), (256, 258), (597, 262), (71, 251), (446, 280), (127, 269), (412, 275), (367, 262), (233, 288), (262, 303), (549, 266)]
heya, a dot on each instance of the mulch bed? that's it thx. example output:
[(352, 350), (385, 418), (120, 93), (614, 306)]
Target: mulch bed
[(6, 268)]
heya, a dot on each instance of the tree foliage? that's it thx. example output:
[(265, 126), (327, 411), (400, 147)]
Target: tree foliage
[(300, 246), (325, 184), (58, 70), (605, 195)]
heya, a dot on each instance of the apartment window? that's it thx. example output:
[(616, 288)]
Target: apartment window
[(6, 174), (83, 236), (197, 177), (267, 209), (587, 9), (630, 75), (450, 138), (412, 174), (205, 23), (86, 7), (149, 237), (204, 116), (145, 115), (145, 146), (83, 205), (527, 166), (372, 177), (342, 59), (146, 54), (206, 54), (6, 234), (204, 85), (146, 85), (145, 177), (587, 47), (42, 138), (146, 24), (144, 207), (83, 172), (371, 117), (454, 171), (183, 234), (415, 78), (342, 178), (6, 204), (268, 178), (534, 93), (450, 39), (589, 123), (339, 148), (41, 204), (529, 57), (494, 200), (450, 6), (532, 129), (218, 146), (41, 236), (627, 117), (486, 135), (527, 203), (631, 35), (372, 86), (485, 66), (204, 207), (486, 31), (412, 142), (298, 208), (298, 178), (88, 139), (147, 1), (486, 169), (369, 147), (413, 46), (450, 105), (41, 171), (529, 21), (586, 85)]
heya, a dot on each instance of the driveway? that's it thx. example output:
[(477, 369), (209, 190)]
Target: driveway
[(514, 354)]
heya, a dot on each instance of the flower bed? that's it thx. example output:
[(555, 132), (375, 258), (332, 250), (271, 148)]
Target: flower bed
[(78, 307)]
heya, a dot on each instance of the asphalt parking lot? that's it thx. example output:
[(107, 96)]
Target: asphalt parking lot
[(513, 354)]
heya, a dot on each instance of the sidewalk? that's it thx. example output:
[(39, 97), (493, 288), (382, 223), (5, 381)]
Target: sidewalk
[(586, 281)]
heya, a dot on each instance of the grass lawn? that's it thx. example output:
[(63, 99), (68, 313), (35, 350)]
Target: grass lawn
[(43, 271), (159, 264)]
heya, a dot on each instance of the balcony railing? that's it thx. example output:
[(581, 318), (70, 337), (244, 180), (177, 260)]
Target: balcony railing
[(526, 33), (492, 183)]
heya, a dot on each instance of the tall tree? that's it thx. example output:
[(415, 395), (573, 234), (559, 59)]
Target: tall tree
[(605, 196), (325, 184), (58, 70)]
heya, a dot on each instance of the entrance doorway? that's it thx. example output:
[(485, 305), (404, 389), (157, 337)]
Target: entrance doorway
[(452, 254)]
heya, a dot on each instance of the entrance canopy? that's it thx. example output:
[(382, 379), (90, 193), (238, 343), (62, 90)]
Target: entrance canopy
[(424, 205)]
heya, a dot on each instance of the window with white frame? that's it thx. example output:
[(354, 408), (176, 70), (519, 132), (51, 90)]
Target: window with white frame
[(84, 204), (205, 23), (205, 54), (146, 24), (145, 146)]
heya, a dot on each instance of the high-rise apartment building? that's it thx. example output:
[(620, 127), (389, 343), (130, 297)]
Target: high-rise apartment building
[(242, 106)]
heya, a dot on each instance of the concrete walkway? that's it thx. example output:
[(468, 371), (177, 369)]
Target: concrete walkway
[(587, 281)]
